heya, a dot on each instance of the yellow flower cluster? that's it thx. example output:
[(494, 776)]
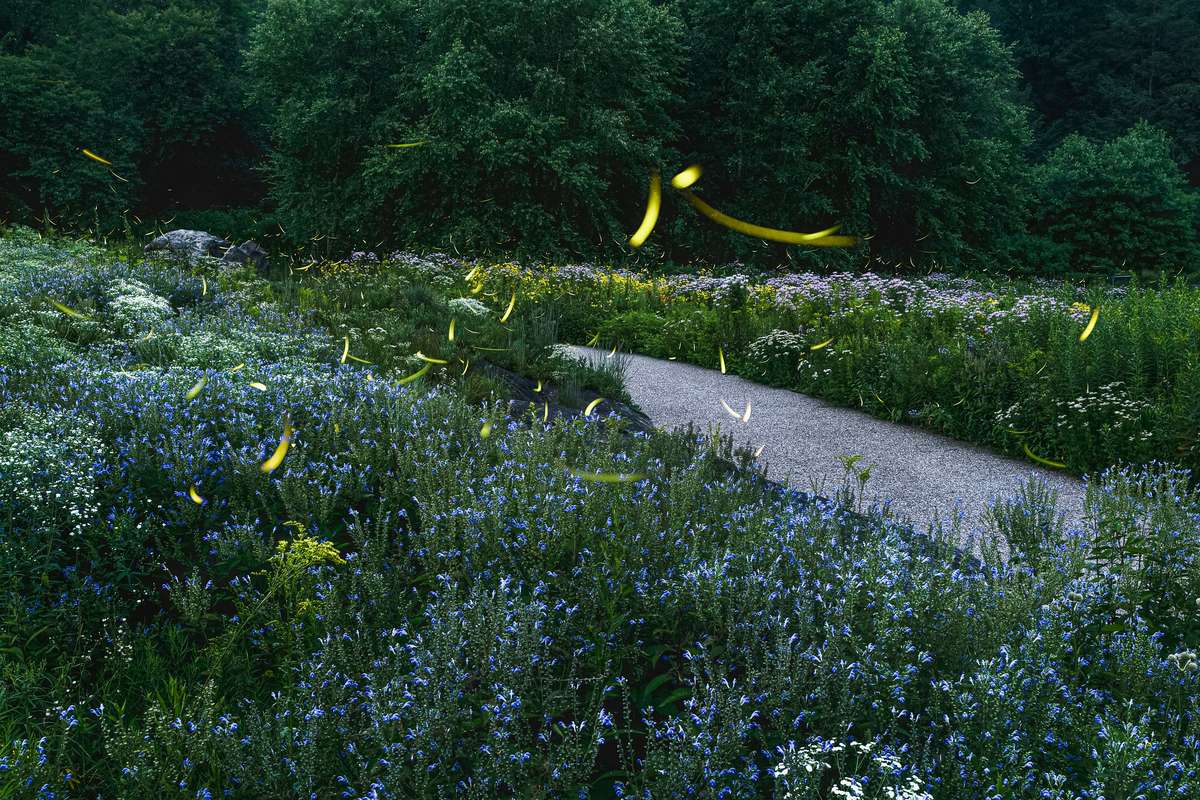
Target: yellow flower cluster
[(303, 551)]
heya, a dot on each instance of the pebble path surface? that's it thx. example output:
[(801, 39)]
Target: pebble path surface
[(920, 474)]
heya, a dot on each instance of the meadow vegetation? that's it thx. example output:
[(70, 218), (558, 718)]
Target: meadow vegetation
[(989, 360), (405, 608)]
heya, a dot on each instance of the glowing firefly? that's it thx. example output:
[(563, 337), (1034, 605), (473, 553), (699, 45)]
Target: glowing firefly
[(653, 203), (285, 441), (195, 390), (70, 312), (686, 178), (415, 375), (607, 477), (820, 238), (1091, 326), (95, 157), (744, 416), (1040, 460)]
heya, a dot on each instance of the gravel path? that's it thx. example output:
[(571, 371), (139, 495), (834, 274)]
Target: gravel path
[(920, 473)]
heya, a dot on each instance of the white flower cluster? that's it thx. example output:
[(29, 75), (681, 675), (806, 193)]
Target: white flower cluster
[(1109, 407), (134, 307), (774, 344), (1184, 660), (25, 344), (47, 471), (800, 772), (468, 307), (1008, 416), (210, 349), (784, 348), (229, 342)]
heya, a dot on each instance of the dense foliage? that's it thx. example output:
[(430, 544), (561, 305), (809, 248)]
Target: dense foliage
[(153, 86), (540, 119), (897, 119), (1097, 67), (540, 123), (1118, 206), (993, 362), (405, 608)]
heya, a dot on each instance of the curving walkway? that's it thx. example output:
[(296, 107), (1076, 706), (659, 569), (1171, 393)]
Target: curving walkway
[(920, 474)]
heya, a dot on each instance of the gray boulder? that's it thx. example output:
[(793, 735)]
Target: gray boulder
[(190, 245), (246, 252)]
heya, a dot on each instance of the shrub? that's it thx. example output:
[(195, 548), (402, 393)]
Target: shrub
[(1097, 68), (774, 357), (48, 119), (153, 87), (634, 330), (1122, 205)]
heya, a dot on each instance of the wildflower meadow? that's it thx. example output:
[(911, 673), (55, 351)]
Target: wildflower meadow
[(404, 607)]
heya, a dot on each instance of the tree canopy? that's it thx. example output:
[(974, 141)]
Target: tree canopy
[(899, 120), (944, 134), (154, 87), (1097, 67), (537, 121)]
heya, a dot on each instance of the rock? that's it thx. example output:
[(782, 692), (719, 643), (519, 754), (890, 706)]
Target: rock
[(191, 245), (248, 251)]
